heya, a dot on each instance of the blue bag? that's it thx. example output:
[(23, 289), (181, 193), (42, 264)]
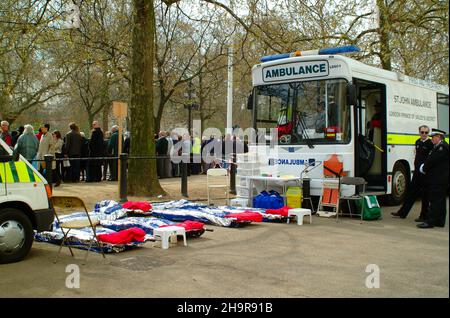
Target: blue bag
[(268, 200), (260, 199), (275, 200)]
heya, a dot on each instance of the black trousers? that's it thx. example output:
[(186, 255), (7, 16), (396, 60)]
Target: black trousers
[(416, 189), (113, 173), (105, 168), (57, 174), (74, 169), (160, 167), (95, 171), (437, 211)]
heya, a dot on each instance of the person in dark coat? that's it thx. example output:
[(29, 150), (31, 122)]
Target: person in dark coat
[(95, 150), (161, 151), (16, 136), (127, 143), (175, 166), (72, 149), (416, 188), (113, 149), (435, 168)]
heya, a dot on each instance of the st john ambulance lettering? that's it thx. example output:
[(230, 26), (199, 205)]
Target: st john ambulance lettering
[(295, 70)]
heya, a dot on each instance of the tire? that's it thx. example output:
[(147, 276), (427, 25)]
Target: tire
[(400, 182), (16, 235)]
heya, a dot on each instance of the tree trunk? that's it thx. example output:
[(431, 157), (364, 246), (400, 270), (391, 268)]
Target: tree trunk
[(142, 176), (384, 32), (104, 100)]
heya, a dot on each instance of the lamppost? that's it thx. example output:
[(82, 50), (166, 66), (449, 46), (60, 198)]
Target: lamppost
[(190, 95)]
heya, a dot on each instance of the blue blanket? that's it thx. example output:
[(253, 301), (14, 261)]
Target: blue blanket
[(183, 210)]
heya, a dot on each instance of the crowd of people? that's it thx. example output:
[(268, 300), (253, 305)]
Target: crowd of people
[(73, 146), (200, 154)]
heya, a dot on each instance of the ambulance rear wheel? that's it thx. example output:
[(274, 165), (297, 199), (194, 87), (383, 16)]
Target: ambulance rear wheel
[(400, 182), (16, 235)]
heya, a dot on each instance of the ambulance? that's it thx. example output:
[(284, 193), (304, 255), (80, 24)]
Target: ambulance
[(322, 103), (24, 205)]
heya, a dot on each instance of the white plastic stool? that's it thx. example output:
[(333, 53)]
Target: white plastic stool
[(242, 202), (165, 233), (299, 213)]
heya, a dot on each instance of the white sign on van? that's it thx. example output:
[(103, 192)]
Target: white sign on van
[(291, 71), (410, 107)]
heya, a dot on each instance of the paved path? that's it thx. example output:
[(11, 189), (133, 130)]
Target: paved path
[(324, 259)]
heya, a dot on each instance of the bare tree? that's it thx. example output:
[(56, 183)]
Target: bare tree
[(30, 72)]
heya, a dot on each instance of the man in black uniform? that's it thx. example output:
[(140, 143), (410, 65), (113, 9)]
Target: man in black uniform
[(417, 186), (435, 169)]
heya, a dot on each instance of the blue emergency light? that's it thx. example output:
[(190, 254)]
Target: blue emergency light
[(326, 51), (339, 50)]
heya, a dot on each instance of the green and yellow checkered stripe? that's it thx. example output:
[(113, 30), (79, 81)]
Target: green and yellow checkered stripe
[(404, 139), (17, 172)]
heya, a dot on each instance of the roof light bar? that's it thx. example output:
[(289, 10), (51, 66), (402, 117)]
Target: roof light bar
[(326, 51), (339, 50), (275, 57)]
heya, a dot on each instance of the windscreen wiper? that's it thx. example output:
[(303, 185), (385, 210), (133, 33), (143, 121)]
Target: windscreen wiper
[(305, 134)]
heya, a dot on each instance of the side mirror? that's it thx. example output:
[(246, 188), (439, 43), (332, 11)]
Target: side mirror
[(250, 101), (351, 95)]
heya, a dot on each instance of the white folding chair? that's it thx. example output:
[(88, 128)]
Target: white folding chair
[(218, 179), (60, 203)]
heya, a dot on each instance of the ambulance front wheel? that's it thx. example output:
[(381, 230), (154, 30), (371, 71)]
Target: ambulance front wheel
[(400, 181), (16, 235)]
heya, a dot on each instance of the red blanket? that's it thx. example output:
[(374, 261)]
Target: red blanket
[(137, 205), (281, 211), (188, 225), (246, 216), (130, 235)]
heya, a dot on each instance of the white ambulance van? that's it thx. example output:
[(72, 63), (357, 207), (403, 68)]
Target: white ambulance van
[(24, 205)]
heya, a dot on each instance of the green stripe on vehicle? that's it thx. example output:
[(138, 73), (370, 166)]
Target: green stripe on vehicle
[(400, 139), (14, 173), (404, 139), (30, 173)]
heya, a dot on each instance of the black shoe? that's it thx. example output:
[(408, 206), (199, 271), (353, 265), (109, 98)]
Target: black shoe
[(425, 226), (397, 215), (420, 220)]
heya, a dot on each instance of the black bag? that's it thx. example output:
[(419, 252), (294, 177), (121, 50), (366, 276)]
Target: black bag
[(366, 154)]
